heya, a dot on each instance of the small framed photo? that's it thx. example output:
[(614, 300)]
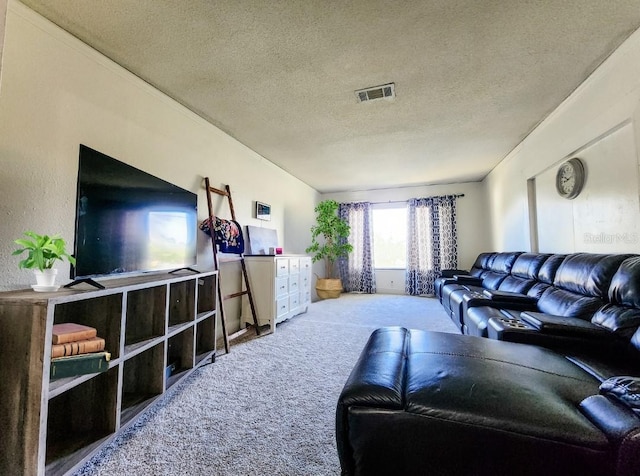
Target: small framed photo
[(263, 211)]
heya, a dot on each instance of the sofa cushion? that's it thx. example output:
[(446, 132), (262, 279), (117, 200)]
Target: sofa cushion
[(514, 284), (622, 314), (492, 279), (503, 262), (482, 263), (565, 303), (546, 275), (625, 284), (528, 265), (549, 268), (588, 274), (524, 273), (581, 285)]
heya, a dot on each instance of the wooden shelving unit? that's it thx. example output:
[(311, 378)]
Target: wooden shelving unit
[(158, 329)]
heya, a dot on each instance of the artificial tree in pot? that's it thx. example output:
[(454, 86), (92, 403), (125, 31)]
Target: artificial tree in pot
[(334, 232), (42, 253)]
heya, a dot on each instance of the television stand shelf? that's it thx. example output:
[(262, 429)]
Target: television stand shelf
[(158, 328)]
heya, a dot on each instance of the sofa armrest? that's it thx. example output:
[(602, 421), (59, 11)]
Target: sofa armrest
[(450, 273), (507, 297), (377, 381), (622, 427), (561, 325), (468, 280)]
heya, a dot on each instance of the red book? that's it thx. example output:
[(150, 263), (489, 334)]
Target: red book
[(69, 332), (95, 344)]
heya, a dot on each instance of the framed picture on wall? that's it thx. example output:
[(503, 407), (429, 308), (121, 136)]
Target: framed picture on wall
[(263, 211)]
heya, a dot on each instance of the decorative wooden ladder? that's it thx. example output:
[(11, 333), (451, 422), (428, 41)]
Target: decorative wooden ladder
[(227, 193)]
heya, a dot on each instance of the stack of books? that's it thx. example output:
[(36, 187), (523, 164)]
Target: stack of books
[(76, 350)]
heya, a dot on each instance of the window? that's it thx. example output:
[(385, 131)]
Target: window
[(390, 236)]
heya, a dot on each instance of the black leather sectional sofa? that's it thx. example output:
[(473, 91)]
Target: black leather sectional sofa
[(547, 381)]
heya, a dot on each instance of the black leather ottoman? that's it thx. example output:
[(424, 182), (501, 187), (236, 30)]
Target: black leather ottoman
[(427, 403)]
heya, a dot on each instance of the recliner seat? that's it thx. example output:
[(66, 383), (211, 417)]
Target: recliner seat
[(579, 289), (498, 270), (421, 402), (522, 277), (475, 324), (480, 265)]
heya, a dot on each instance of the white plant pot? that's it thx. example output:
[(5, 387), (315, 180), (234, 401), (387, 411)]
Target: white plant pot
[(46, 277)]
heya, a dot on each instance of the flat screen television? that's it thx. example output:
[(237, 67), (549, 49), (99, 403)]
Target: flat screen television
[(129, 221)]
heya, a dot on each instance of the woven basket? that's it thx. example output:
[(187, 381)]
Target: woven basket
[(328, 288)]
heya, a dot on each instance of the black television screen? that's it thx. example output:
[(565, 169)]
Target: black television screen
[(128, 221)]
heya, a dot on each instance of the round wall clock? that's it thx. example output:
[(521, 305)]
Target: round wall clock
[(570, 178)]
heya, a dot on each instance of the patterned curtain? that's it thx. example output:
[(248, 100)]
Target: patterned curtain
[(356, 271), (432, 241)]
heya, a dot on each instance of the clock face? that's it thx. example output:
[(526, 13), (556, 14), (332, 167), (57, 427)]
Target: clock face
[(570, 178)]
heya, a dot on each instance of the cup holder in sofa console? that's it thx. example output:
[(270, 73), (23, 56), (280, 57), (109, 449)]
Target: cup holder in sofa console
[(514, 324), (510, 329), (556, 332)]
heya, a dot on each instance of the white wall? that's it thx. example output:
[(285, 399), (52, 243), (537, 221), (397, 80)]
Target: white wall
[(58, 93), (473, 230), (599, 124)]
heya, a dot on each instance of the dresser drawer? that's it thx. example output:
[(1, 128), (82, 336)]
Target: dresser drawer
[(282, 267), (282, 286), (305, 265), (282, 307), (304, 281), (294, 265), (294, 283), (294, 301)]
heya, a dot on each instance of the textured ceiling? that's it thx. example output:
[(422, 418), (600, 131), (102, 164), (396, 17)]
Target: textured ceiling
[(472, 77)]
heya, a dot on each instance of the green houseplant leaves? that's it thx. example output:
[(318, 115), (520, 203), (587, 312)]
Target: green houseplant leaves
[(334, 231), (42, 251)]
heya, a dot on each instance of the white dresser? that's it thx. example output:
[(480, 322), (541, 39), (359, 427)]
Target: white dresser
[(281, 288)]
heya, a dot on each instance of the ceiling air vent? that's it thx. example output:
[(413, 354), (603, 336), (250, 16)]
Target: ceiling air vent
[(386, 91)]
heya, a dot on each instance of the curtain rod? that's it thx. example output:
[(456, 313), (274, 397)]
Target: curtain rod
[(405, 201)]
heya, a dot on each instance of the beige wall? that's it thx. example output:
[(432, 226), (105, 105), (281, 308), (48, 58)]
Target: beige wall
[(58, 93), (3, 17), (473, 231), (599, 124)]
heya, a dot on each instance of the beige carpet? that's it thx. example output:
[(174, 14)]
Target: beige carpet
[(268, 407)]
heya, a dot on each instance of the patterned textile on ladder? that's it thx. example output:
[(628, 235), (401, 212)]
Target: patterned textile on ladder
[(227, 234)]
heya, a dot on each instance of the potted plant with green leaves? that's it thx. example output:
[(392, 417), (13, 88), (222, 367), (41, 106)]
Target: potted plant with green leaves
[(42, 253), (334, 232)]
